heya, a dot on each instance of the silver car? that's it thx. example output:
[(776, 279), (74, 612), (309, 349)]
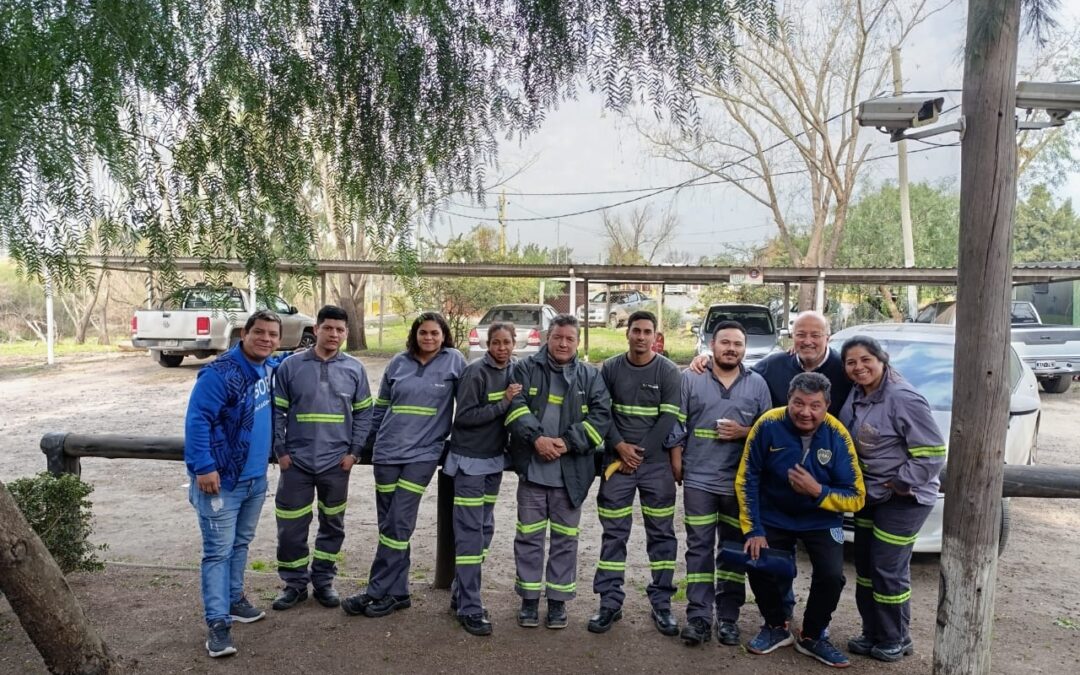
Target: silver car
[(762, 335), (923, 353), (531, 323), (614, 308)]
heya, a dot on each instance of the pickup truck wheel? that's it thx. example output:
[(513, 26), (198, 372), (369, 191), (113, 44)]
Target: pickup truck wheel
[(169, 360), (1056, 385), (307, 340)]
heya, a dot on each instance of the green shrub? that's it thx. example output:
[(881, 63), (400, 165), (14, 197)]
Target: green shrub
[(57, 509)]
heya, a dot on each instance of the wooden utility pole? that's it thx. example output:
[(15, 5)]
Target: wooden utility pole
[(980, 396), (41, 598), (905, 196)]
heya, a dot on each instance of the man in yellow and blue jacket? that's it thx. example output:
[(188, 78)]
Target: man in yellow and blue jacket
[(799, 474)]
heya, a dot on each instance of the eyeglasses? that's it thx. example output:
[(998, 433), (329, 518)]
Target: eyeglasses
[(813, 336)]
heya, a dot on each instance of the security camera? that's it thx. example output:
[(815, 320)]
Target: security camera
[(897, 113), (1058, 99)]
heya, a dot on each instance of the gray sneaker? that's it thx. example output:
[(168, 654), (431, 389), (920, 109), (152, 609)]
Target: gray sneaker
[(243, 611), (218, 640)]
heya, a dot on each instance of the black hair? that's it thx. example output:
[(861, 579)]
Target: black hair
[(411, 343), (565, 320), (728, 325), (262, 315), (332, 312), (641, 315), (502, 325), (811, 383), (869, 344)]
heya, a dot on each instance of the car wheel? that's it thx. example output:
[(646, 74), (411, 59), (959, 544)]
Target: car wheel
[(1056, 385), (1006, 525), (307, 340), (169, 360)]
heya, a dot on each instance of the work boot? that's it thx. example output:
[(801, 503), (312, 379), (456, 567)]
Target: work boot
[(860, 645), (289, 597), (556, 615), (242, 611), (603, 620), (893, 651), (327, 596), (218, 640), (529, 615), (665, 622), (387, 605), (354, 604), (697, 631), (727, 632), (475, 624)]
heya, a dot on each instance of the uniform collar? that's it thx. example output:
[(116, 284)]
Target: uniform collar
[(490, 362), (887, 378)]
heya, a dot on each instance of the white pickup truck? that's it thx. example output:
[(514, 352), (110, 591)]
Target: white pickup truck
[(202, 321), (1052, 352)]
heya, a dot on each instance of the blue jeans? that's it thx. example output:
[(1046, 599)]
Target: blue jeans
[(227, 521)]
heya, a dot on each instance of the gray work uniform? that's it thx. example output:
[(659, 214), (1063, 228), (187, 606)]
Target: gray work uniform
[(322, 411), (476, 462), (645, 406), (548, 499), (711, 510), (897, 442), (413, 413)]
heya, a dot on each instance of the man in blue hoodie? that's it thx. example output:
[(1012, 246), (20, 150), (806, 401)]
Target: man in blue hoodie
[(228, 434)]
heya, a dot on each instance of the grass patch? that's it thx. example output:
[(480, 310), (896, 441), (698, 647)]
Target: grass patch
[(680, 590), (1067, 623), (67, 347), (260, 566)]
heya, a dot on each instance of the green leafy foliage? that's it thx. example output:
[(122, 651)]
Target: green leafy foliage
[(193, 127), (1045, 230), (58, 510)]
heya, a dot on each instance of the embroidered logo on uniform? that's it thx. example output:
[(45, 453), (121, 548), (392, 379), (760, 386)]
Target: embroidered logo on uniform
[(440, 385), (646, 385), (772, 449), (837, 534), (824, 455)]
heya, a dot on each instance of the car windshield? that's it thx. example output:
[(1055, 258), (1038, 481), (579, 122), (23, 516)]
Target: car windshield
[(755, 321), (928, 366), (519, 316), (208, 298)]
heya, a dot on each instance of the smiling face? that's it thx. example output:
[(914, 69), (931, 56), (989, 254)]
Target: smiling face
[(807, 411), (863, 368), (429, 337), (261, 341), (330, 335), (811, 335), (562, 343), (500, 346), (729, 348), (641, 336)]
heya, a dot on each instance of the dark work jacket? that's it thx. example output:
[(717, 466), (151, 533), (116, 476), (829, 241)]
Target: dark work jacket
[(586, 416), (478, 423)]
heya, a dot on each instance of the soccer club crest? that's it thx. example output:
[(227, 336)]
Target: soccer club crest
[(824, 455)]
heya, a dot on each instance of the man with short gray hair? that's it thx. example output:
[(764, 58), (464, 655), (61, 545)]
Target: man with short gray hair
[(799, 474)]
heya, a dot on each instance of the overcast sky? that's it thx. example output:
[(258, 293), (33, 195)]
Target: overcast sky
[(583, 148)]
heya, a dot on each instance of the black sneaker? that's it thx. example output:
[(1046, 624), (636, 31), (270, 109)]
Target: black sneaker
[(665, 622), (289, 597), (556, 615), (893, 651), (387, 605), (727, 632), (603, 620), (243, 611), (697, 631), (529, 614), (218, 640), (475, 624), (354, 604), (327, 596), (861, 645)]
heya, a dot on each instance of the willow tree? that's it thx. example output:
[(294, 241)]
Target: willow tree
[(193, 127)]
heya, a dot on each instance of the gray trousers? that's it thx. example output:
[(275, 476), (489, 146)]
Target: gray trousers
[(615, 505), (538, 508), (474, 526), (884, 536), (398, 490), (296, 490), (710, 520)]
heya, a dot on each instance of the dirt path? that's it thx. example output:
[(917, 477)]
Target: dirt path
[(152, 616)]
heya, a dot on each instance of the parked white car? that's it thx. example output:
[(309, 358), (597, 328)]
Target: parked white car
[(923, 353)]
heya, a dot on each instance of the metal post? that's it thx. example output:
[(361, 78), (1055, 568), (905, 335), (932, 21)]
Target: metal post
[(444, 533), (905, 198), (660, 310), (322, 289), (787, 305), (542, 291), (819, 301), (251, 292), (572, 307), (50, 322), (586, 314), (382, 306)]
